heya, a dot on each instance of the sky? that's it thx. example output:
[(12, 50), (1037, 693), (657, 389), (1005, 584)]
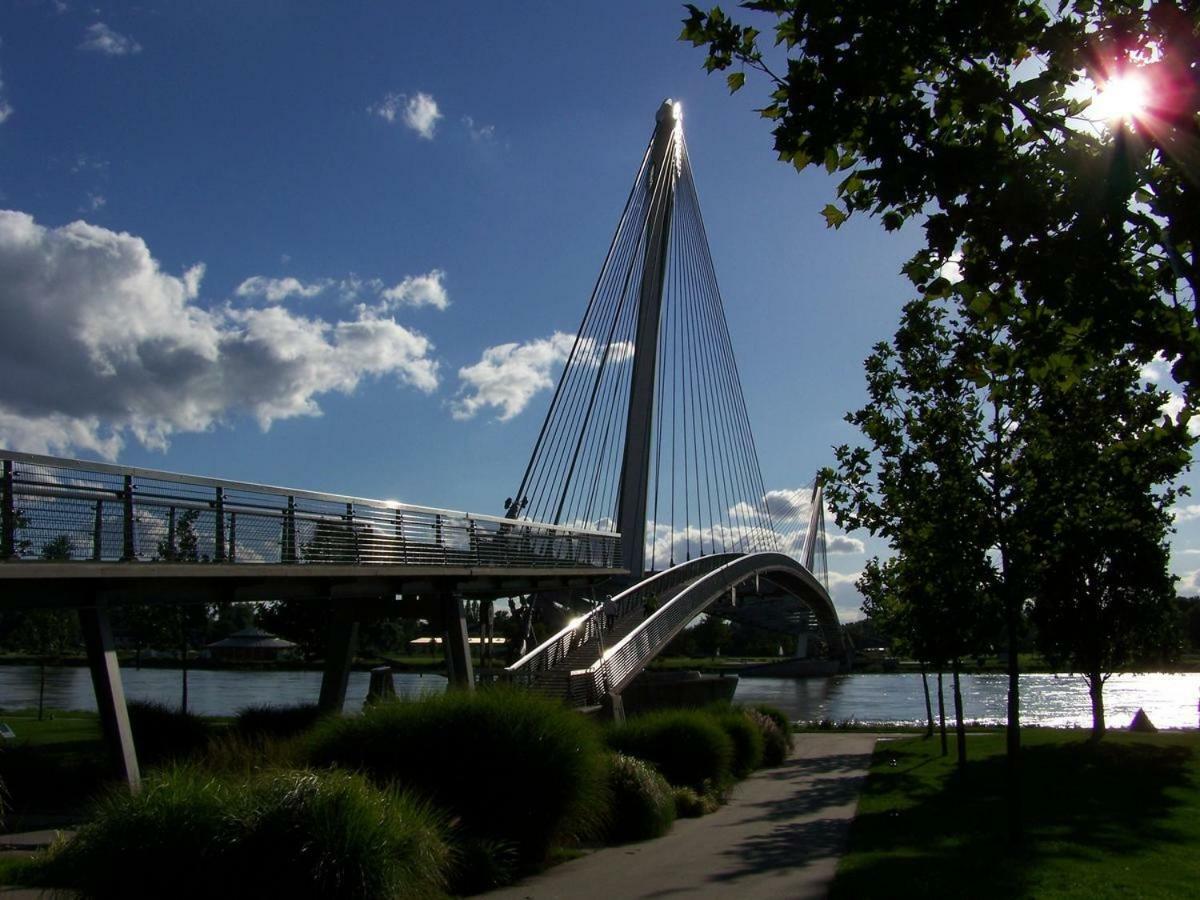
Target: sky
[(330, 246)]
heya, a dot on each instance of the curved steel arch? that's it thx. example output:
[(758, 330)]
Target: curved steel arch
[(624, 660)]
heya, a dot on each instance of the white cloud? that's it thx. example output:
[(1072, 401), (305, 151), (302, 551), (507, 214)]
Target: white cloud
[(951, 269), (6, 109), (1186, 513), (103, 344), (419, 290), (102, 39), (508, 375), (419, 112), (273, 290), (479, 133), (843, 543), (421, 115), (96, 201)]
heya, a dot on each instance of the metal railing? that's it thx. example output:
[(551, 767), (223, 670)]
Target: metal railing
[(628, 656), (593, 624), (54, 508)]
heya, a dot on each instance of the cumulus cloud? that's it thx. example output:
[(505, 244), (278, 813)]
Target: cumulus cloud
[(843, 543), (101, 344), (508, 375), (100, 38), (419, 112), (6, 109), (276, 289), (419, 290)]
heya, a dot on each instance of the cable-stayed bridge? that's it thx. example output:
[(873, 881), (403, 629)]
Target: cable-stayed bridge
[(641, 507)]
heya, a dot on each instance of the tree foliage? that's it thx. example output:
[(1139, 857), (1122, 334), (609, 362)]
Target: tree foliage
[(974, 121)]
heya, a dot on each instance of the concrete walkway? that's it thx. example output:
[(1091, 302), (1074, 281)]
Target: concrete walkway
[(779, 836)]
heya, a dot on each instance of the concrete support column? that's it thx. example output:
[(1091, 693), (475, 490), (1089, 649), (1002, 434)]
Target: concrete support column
[(110, 695), (339, 656), (456, 643)]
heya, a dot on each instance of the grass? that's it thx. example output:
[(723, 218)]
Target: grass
[(298, 834), (509, 766), (689, 747), (1116, 819), (642, 804)]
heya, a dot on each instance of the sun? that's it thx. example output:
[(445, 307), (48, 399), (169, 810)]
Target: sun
[(1120, 98)]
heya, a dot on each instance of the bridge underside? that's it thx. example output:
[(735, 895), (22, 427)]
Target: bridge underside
[(76, 584)]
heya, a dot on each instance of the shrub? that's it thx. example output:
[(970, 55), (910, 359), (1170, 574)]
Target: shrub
[(276, 721), (300, 834), (642, 805), (747, 740), (511, 766), (780, 719), (334, 834), (775, 745), (691, 805), (688, 747), (42, 778), (161, 733), (236, 754)]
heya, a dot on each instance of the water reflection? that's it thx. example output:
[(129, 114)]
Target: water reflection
[(1051, 700)]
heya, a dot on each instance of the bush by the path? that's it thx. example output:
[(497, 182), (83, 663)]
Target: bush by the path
[(780, 719), (642, 804), (688, 747), (298, 834), (775, 745), (276, 721), (746, 738), (510, 766), (161, 733), (691, 805)]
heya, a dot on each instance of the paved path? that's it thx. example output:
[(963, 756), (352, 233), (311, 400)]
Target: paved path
[(779, 836)]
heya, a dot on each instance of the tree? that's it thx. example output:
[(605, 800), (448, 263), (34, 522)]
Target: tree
[(1080, 240), (1103, 598), (927, 485), (976, 123), (190, 625)]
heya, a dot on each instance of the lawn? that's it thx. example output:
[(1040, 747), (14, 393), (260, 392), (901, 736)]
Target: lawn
[(1117, 819)]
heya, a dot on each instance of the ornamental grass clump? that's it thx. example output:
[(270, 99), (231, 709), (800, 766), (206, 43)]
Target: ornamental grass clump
[(161, 733), (299, 834), (775, 744), (691, 805), (276, 721), (777, 716), (642, 804), (688, 747), (746, 738), (508, 766)]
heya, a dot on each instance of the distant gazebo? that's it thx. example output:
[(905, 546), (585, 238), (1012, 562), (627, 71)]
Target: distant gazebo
[(249, 645)]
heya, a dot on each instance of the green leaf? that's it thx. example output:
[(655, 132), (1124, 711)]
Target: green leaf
[(735, 80), (834, 217)]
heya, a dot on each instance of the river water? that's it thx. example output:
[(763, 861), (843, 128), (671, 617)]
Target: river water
[(1051, 700)]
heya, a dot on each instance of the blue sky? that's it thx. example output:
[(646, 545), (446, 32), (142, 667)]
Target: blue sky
[(261, 240)]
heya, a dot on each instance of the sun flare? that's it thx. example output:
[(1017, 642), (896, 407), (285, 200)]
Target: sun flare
[(1119, 98)]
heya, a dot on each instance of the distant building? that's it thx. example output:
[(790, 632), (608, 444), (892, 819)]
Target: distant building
[(249, 645)]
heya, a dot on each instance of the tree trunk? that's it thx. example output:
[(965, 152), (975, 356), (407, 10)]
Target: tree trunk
[(1095, 682), (183, 661), (928, 702), (42, 689), (960, 732), (1012, 733), (942, 714)]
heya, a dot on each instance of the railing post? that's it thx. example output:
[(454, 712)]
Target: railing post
[(233, 537), (98, 532), (219, 539), (439, 540), (171, 534), (128, 554), (8, 516), (289, 532), (474, 543), (353, 531), (402, 545)]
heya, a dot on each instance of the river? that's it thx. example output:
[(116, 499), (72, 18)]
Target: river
[(1050, 700)]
